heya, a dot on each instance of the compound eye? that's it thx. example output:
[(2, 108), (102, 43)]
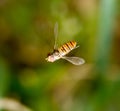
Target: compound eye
[(48, 54)]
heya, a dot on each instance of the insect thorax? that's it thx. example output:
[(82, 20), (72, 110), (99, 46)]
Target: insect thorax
[(55, 52)]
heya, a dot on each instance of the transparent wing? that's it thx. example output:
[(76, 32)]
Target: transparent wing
[(55, 33), (74, 60)]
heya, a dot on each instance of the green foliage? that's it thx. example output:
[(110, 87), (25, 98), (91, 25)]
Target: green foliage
[(27, 35)]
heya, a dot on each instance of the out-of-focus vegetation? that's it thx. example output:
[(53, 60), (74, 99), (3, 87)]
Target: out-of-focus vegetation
[(29, 83)]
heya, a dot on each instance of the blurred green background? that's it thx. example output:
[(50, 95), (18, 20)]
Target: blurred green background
[(29, 83)]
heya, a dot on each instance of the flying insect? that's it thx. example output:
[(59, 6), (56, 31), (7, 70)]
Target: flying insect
[(61, 52)]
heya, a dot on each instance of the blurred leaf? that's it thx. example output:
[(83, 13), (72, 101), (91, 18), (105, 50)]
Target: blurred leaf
[(104, 42), (105, 33), (4, 77)]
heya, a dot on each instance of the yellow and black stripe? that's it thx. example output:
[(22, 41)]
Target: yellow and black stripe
[(67, 47)]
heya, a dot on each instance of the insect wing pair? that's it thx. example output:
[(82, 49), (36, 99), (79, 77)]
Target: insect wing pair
[(61, 52)]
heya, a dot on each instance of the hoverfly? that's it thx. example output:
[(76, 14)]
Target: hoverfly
[(61, 52)]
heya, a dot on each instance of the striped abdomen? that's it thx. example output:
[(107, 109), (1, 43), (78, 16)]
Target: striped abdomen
[(66, 48)]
